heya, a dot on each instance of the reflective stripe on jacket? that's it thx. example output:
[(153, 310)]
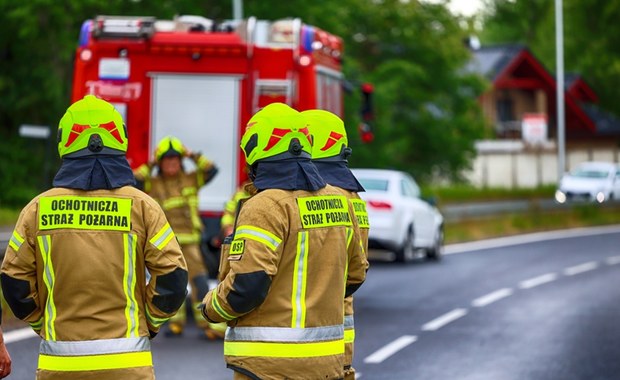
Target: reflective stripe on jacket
[(293, 257)]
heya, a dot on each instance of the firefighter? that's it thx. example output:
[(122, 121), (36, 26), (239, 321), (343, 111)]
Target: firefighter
[(330, 155), (76, 265), (227, 222), (177, 193), (294, 257)]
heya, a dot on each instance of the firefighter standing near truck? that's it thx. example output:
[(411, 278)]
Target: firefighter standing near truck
[(177, 193), (294, 256), (75, 268), (330, 155)]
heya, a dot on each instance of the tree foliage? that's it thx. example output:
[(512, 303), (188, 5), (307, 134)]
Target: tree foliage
[(591, 37), (426, 111)]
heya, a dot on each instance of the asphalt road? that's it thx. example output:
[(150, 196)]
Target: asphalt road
[(541, 306)]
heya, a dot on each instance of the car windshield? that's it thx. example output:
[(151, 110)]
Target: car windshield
[(589, 173), (372, 184)]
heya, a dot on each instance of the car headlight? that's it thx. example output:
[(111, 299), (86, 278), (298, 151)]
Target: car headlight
[(560, 197), (600, 197)]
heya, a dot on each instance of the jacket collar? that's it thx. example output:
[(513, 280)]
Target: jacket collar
[(292, 174), (337, 173), (93, 173)]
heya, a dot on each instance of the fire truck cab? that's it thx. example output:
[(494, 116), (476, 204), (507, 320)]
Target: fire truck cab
[(201, 81)]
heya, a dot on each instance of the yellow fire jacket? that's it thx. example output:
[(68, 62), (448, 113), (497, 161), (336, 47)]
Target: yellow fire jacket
[(76, 271), (178, 196), (294, 257), (361, 215)]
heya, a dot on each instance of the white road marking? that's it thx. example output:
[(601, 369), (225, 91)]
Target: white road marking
[(492, 297), (528, 238), (535, 281), (20, 334), (440, 322), (390, 349), (585, 267), (612, 260)]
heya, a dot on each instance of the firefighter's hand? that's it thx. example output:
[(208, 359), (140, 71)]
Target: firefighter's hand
[(5, 361)]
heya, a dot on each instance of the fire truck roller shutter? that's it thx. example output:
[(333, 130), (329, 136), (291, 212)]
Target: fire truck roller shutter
[(203, 112)]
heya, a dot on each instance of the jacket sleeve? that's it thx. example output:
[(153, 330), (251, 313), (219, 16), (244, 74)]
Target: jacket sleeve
[(167, 287), (205, 169), (253, 261), (19, 275), (143, 176), (358, 261)]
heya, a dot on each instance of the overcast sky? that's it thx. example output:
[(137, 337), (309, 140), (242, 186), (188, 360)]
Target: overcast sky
[(462, 7)]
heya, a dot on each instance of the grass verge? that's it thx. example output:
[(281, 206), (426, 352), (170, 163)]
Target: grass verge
[(533, 220)]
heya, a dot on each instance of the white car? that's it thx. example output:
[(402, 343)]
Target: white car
[(400, 221), (590, 181)]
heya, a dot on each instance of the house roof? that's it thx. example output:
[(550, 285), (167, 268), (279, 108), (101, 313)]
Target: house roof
[(607, 124), (491, 61), (577, 87), (514, 66)]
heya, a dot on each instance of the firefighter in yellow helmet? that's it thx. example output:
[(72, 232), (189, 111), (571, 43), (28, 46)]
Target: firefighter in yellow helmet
[(177, 193), (330, 155), (294, 256), (76, 265)]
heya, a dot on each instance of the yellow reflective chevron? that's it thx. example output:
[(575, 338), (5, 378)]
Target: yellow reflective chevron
[(359, 209), (45, 246), (324, 211), (300, 272), (284, 350), (162, 237), (259, 235), (85, 213), (16, 241), (95, 362)]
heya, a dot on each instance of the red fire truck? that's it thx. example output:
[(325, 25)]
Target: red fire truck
[(201, 81)]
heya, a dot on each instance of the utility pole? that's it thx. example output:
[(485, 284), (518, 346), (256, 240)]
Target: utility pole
[(237, 9), (559, 61)]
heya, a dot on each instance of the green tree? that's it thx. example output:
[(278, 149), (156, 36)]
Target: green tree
[(591, 37)]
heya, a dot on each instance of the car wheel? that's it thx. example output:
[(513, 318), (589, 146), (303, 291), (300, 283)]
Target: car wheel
[(406, 252), (436, 251)]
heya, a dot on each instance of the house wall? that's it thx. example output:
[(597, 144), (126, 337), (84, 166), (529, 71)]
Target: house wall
[(523, 101), (512, 164)]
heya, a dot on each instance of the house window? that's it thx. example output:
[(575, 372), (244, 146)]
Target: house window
[(504, 110)]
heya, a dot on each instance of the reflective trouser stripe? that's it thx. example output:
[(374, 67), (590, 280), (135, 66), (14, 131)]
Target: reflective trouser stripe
[(298, 296), (45, 245), (283, 350), (95, 362)]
